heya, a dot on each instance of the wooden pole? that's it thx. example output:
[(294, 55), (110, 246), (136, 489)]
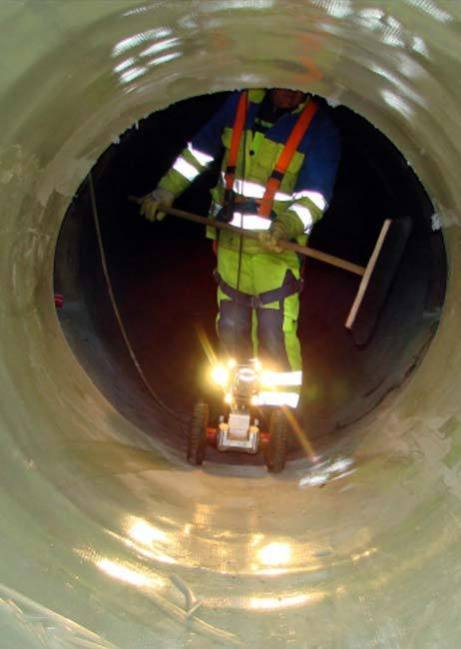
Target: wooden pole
[(285, 245), (367, 275)]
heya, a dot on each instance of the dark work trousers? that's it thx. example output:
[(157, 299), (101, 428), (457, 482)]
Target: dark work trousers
[(235, 331)]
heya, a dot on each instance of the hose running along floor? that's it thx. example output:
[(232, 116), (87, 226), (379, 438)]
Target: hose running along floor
[(109, 538)]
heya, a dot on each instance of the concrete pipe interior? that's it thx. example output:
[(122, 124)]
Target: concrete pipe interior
[(108, 537)]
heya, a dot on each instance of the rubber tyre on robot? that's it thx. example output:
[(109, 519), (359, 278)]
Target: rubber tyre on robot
[(276, 448), (197, 435)]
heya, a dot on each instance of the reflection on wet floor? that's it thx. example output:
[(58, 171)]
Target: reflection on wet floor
[(108, 539)]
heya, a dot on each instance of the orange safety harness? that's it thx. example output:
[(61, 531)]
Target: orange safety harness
[(237, 130), (285, 157)]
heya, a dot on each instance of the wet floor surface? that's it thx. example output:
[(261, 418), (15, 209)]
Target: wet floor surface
[(98, 534)]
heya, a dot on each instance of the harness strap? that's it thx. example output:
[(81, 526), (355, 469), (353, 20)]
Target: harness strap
[(237, 130), (275, 179), (288, 288), (286, 156)]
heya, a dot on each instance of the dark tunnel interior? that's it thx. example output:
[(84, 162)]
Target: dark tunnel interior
[(162, 280)]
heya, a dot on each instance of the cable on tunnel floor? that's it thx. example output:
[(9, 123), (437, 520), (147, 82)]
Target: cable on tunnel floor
[(116, 310)]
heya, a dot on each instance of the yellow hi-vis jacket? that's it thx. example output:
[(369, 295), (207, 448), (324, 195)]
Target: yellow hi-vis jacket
[(307, 184)]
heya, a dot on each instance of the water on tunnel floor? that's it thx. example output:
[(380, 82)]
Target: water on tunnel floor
[(108, 537)]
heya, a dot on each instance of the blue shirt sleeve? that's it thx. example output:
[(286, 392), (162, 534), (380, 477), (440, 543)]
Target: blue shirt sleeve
[(208, 139), (323, 150)]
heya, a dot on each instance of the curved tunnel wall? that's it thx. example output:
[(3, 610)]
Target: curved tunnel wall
[(106, 535)]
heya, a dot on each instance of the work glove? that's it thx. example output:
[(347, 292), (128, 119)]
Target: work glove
[(271, 239), (150, 206)]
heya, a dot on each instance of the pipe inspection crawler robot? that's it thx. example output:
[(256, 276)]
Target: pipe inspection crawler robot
[(239, 424)]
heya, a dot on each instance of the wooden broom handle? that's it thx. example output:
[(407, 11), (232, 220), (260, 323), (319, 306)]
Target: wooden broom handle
[(285, 245)]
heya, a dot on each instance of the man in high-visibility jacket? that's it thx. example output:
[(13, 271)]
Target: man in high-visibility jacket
[(281, 154)]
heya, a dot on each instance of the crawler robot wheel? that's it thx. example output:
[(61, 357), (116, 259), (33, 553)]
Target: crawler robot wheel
[(276, 448), (197, 438)]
